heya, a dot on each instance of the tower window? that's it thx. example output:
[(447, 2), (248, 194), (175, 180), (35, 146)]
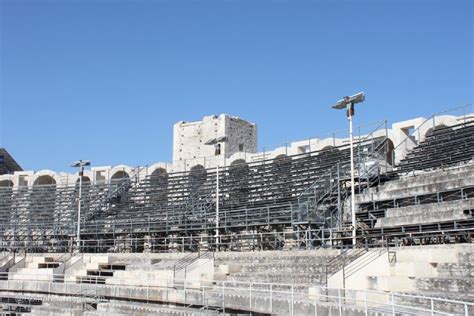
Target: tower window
[(241, 147)]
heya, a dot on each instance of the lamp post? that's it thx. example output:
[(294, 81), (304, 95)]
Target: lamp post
[(217, 145), (80, 164), (348, 104), (217, 202)]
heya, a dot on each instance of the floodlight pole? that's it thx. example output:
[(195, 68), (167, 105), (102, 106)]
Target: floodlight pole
[(79, 164), (216, 142), (217, 204), (78, 235), (350, 113), (348, 104)]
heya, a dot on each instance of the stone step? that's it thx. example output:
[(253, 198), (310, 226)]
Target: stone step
[(120, 308), (278, 278), (458, 270), (309, 268), (47, 310), (458, 205), (466, 257), (276, 259), (428, 177), (404, 191), (452, 285), (424, 216)]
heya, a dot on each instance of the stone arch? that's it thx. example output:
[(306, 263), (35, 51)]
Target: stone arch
[(85, 180), (238, 183), (6, 199), (86, 185), (430, 131), (330, 153), (159, 174), (197, 176), (6, 183), (435, 123), (238, 162), (45, 180), (328, 148), (120, 175), (281, 177), (389, 149), (158, 188), (282, 160), (43, 199), (45, 177)]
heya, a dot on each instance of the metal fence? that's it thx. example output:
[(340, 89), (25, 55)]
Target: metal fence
[(275, 298)]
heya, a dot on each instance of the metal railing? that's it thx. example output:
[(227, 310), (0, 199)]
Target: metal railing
[(333, 237), (275, 298), (328, 185)]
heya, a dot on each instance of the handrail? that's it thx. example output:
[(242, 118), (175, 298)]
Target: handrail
[(18, 265), (162, 243), (357, 145), (103, 200), (326, 182), (323, 294)]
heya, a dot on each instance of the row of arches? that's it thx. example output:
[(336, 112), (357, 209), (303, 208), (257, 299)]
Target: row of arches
[(50, 180), (235, 181), (197, 173), (241, 183)]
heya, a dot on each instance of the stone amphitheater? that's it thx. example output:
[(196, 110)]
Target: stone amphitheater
[(227, 230)]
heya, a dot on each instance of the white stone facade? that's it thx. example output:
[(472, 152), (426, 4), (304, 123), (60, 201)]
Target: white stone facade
[(190, 139)]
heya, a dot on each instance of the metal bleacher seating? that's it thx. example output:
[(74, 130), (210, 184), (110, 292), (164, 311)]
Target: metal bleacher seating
[(433, 190), (254, 195), (442, 147)]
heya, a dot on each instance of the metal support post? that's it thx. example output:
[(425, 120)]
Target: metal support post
[(365, 304), (203, 298), (316, 302), (217, 205), (184, 288), (292, 299), (271, 298), (393, 304), (223, 297), (339, 301), (354, 228), (339, 204), (250, 297)]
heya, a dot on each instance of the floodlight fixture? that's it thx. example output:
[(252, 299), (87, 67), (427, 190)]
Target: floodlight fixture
[(81, 163), (214, 141), (353, 99)]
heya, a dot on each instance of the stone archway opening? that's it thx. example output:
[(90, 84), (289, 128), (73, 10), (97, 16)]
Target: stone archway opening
[(45, 180)]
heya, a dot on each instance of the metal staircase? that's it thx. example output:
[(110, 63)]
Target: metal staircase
[(322, 203), (104, 203)]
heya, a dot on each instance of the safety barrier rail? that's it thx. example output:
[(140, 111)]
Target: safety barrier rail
[(245, 241), (289, 299)]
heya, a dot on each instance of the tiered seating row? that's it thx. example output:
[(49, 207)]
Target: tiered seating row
[(443, 147), (250, 194)]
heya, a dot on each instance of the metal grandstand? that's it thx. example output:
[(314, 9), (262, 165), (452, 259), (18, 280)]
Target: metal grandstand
[(269, 204)]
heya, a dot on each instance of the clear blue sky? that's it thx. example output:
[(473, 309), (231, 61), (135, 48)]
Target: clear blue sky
[(106, 80)]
